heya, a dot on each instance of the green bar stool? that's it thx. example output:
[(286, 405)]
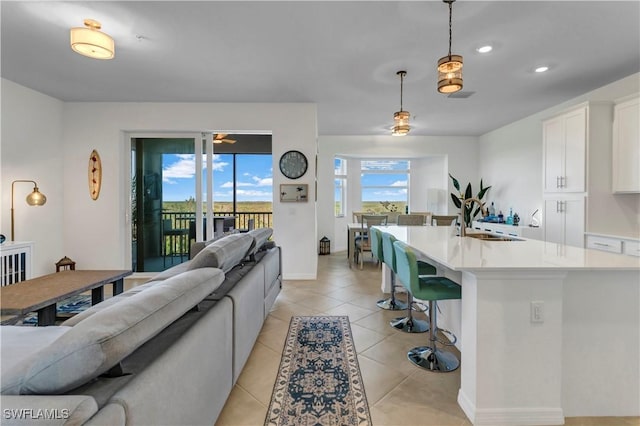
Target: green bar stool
[(407, 324), (429, 288), (379, 250)]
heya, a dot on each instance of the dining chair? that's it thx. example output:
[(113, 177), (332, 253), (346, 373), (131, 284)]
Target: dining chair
[(427, 216), (411, 219), (362, 241), (444, 220)]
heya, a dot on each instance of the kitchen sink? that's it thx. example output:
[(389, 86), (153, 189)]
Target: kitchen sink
[(492, 237)]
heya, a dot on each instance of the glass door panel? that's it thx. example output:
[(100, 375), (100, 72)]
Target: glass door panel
[(163, 201)]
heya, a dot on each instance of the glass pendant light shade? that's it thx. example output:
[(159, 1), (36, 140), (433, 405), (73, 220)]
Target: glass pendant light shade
[(36, 198), (450, 66), (90, 41), (401, 118), (450, 74), (401, 123)]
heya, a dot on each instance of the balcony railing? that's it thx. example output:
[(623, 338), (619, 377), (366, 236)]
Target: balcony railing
[(182, 220)]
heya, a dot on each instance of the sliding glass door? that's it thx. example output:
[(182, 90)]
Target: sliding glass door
[(163, 200)]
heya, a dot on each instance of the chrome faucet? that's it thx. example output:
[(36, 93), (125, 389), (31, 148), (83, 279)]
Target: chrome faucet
[(463, 227)]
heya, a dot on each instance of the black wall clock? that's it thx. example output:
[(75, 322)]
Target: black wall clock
[(293, 164)]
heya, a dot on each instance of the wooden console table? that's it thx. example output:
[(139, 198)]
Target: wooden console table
[(41, 294)]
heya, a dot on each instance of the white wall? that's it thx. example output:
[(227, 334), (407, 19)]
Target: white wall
[(97, 232), (510, 159), (50, 141), (432, 158), (31, 140)]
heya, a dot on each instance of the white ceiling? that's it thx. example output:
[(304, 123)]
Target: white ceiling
[(341, 55)]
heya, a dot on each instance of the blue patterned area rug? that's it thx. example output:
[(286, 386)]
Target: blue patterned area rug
[(68, 307), (319, 380)]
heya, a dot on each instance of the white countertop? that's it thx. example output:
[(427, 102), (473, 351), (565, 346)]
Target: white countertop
[(440, 244)]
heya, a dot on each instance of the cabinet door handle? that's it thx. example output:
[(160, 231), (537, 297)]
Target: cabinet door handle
[(557, 181), (563, 182), (601, 244)]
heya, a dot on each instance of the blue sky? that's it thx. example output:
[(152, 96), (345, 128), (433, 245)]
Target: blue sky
[(254, 177)]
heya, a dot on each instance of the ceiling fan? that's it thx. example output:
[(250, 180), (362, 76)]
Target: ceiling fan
[(221, 138)]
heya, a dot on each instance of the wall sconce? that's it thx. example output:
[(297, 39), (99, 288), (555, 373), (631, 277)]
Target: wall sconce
[(35, 198)]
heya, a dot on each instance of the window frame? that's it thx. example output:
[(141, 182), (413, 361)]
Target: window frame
[(340, 183)]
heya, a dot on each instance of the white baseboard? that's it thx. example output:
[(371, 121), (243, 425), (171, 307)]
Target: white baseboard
[(299, 277), (528, 416)]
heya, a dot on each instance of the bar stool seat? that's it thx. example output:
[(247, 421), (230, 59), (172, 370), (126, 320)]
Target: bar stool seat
[(407, 324), (378, 250), (431, 288)]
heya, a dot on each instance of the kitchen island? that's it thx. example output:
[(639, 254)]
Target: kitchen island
[(545, 330)]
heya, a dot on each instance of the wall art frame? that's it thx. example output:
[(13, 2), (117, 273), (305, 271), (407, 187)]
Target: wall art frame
[(294, 193)]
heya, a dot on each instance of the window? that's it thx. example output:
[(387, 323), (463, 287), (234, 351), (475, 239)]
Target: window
[(242, 183), (385, 185), (340, 182)]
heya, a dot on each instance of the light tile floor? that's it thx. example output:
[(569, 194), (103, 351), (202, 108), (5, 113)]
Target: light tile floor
[(398, 392)]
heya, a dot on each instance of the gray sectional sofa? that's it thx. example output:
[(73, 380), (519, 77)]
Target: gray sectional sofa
[(167, 352)]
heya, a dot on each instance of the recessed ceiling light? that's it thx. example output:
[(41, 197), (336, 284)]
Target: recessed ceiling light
[(484, 49), (541, 69)]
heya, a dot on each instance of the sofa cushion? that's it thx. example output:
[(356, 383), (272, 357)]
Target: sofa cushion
[(224, 253), (101, 341), (260, 236), (19, 341), (106, 303), (171, 272)]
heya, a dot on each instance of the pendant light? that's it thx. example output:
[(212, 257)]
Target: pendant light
[(401, 118), (90, 41), (450, 66)]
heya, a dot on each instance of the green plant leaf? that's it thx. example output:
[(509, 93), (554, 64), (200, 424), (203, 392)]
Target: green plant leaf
[(482, 192), (456, 200), (468, 192), (456, 184)]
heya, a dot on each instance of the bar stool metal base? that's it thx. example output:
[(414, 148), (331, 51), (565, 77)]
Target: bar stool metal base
[(437, 361), (392, 304), (410, 325)]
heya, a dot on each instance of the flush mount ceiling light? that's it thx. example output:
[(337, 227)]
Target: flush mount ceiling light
[(401, 118), (90, 41), (484, 49), (450, 66), (542, 69)]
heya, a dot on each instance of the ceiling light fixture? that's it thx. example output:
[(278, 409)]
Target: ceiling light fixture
[(90, 41), (542, 69), (450, 66), (401, 118), (484, 49)]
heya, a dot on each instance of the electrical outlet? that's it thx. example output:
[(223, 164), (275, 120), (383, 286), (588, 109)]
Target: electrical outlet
[(537, 312)]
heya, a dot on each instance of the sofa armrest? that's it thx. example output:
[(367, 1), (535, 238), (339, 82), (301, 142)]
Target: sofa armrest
[(47, 410)]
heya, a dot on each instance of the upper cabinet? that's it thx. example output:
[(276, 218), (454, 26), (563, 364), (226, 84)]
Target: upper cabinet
[(626, 147), (564, 151)]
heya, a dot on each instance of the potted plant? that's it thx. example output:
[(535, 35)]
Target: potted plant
[(469, 212)]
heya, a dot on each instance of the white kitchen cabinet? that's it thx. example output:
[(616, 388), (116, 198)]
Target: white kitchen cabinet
[(564, 151), (564, 221), (613, 244), (15, 262), (626, 147), (514, 231)]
